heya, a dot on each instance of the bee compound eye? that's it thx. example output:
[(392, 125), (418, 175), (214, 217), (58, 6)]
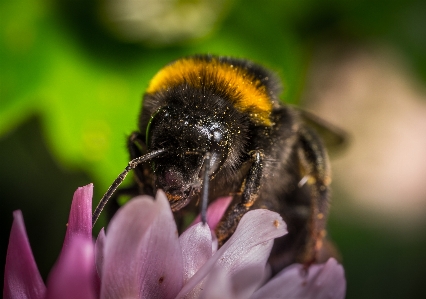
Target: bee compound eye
[(161, 114)]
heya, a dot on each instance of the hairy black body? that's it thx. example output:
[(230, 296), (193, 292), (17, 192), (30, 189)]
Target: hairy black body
[(199, 116)]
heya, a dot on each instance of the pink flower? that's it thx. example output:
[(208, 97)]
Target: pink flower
[(73, 275), (142, 256)]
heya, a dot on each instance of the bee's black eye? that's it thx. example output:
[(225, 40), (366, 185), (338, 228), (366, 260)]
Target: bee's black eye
[(160, 115)]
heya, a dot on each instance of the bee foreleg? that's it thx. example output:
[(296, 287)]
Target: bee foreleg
[(142, 174), (141, 185), (250, 194), (117, 182)]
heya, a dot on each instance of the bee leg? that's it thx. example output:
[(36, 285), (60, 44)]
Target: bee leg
[(315, 169), (137, 148), (250, 194), (117, 182), (142, 173)]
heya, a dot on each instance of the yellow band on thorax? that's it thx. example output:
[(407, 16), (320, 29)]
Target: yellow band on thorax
[(247, 93)]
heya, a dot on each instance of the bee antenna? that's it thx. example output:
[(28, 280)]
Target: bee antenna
[(132, 165), (205, 187)]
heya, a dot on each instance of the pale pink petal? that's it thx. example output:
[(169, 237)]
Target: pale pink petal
[(244, 263), (248, 246), (21, 277), (142, 255), (196, 244), (240, 285), (325, 281), (235, 262), (215, 212), (99, 252), (80, 219), (215, 243), (247, 280), (73, 276), (215, 286), (123, 245)]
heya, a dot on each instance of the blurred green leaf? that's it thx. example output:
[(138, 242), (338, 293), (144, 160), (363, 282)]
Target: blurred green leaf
[(90, 97)]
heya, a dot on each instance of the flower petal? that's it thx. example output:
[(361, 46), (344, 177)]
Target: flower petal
[(80, 219), (142, 255), (248, 279), (74, 274), (215, 212), (99, 252), (322, 281), (215, 285), (21, 276), (238, 286), (196, 244), (250, 245)]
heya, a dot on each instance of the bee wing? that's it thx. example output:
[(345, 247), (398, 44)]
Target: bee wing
[(334, 138)]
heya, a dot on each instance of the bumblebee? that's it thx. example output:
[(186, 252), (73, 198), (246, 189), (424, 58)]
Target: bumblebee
[(214, 126)]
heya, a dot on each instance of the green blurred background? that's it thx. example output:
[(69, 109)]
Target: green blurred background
[(72, 76)]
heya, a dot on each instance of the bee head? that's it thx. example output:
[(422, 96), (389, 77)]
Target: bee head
[(187, 138)]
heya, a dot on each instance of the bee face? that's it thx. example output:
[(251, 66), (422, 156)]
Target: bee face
[(187, 137), (214, 126)]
